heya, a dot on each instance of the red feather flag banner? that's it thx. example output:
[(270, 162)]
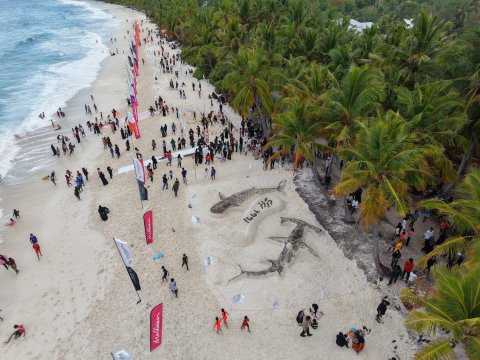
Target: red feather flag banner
[(156, 323), (148, 223)]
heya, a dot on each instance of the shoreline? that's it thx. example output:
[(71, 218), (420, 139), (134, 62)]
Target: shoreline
[(32, 141), (71, 273)]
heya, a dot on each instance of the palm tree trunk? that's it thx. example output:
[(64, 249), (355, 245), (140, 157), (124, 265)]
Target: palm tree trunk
[(467, 156), (381, 269), (266, 131)]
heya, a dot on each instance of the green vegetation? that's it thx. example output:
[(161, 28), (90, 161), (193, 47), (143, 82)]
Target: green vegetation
[(454, 309), (400, 104)]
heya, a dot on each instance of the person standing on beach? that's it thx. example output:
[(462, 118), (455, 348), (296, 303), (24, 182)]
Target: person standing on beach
[(165, 182), (154, 162), (13, 264), (185, 260), (245, 323), (16, 213), (102, 177), (382, 309), (179, 160), (173, 287), (117, 151), (224, 317), (37, 249), (407, 269), (52, 178), (213, 172), (217, 325), (184, 176), (76, 192), (85, 172), (175, 187), (110, 172), (165, 274)]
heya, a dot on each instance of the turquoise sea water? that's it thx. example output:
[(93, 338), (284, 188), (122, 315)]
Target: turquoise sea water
[(49, 51)]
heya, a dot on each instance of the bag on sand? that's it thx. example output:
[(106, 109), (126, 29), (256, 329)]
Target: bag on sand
[(300, 316)]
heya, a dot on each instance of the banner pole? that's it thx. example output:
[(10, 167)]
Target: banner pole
[(139, 300), (133, 162), (125, 269)]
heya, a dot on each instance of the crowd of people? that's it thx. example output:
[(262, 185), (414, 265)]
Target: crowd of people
[(207, 152)]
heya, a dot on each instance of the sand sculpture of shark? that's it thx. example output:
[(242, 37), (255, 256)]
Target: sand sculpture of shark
[(238, 198), (292, 244)]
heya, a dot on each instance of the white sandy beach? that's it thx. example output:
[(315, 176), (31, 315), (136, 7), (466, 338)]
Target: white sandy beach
[(78, 301)]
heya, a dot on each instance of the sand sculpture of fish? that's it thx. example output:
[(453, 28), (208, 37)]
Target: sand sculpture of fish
[(238, 198), (292, 244)]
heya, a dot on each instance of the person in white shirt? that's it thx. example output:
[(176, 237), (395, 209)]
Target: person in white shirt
[(355, 204), (412, 278), (428, 234)]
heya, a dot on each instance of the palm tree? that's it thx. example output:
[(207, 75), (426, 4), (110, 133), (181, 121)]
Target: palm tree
[(357, 96), (415, 52), (464, 217), (435, 111), (248, 81), (454, 309), (312, 83), (461, 62), (384, 159), (295, 130)]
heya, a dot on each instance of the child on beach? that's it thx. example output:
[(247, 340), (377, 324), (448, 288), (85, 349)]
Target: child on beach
[(224, 317), (37, 249), (173, 287), (165, 274), (19, 331), (245, 323), (218, 325), (13, 264)]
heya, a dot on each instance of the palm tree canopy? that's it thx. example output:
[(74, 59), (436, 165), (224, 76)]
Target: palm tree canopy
[(296, 128), (434, 110), (247, 80), (464, 216), (454, 307), (386, 159), (358, 95)]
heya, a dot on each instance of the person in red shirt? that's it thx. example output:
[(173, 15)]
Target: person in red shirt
[(218, 325), (37, 249), (245, 324), (407, 268), (19, 331), (225, 317)]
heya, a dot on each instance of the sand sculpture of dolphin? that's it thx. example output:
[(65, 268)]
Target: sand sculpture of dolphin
[(292, 244), (238, 198)]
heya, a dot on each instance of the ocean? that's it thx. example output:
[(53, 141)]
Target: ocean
[(49, 51)]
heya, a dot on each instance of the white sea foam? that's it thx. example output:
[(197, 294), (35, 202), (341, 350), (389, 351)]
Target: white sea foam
[(95, 12), (59, 82)]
